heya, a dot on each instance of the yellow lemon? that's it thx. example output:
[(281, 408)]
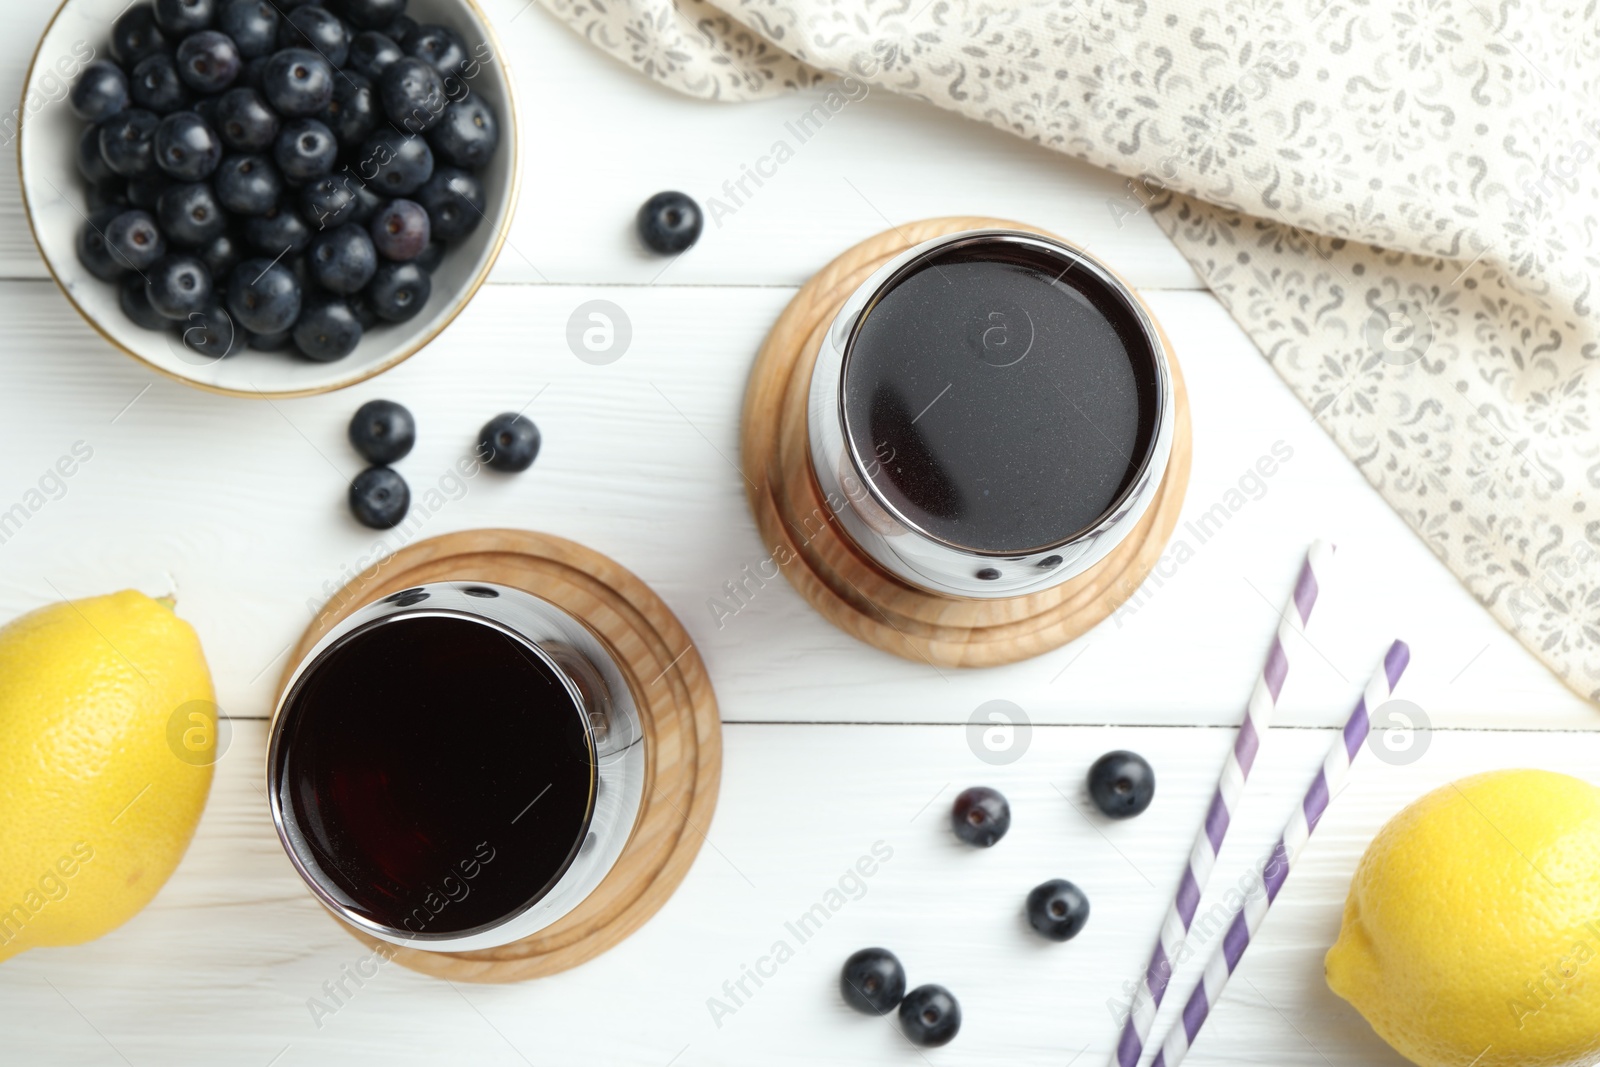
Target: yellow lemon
[(1472, 932), (106, 712)]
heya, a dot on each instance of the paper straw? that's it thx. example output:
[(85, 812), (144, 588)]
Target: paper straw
[(1208, 842), (1335, 769)]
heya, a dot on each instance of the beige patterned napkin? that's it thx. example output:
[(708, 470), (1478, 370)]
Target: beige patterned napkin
[(1398, 200)]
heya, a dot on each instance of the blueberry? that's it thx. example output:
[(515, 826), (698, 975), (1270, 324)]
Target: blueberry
[(94, 251), (134, 239), (146, 192), (343, 260), (455, 203), (179, 17), (372, 14), (364, 313), (1057, 909), (155, 85), (1122, 784), (277, 230), (382, 432), (353, 113), (305, 149), (190, 214), (208, 61), (245, 122), (318, 29), (254, 72), (113, 192), (930, 1016), (209, 108), (253, 25), (467, 134), (398, 291), (135, 35), (412, 95), (401, 29), (872, 981), (210, 333), (367, 203), (670, 223), (178, 286), (431, 256), (297, 82), (221, 254), (136, 304), (327, 330), (269, 342), (264, 296), (980, 816), (91, 164), (186, 148), (510, 442), (379, 497), (396, 164), (100, 91), (400, 230), (328, 201), (247, 184), (371, 53), (128, 142), (438, 46)]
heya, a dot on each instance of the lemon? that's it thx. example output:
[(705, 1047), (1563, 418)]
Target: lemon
[(1472, 932), (106, 709)]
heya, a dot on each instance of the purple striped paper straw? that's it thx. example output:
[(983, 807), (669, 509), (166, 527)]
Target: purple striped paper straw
[(1208, 842), (1335, 769)]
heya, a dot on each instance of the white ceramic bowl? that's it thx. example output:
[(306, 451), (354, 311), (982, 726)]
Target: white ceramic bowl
[(54, 196)]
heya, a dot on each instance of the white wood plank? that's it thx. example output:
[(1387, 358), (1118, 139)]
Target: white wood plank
[(220, 967), (238, 506), (599, 139)]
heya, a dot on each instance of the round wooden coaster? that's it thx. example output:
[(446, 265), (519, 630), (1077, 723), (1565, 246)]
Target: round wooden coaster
[(839, 580), (677, 712)]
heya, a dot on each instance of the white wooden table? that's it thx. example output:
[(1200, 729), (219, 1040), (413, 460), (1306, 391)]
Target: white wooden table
[(237, 507)]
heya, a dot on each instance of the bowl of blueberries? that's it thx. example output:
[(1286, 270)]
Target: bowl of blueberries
[(269, 197)]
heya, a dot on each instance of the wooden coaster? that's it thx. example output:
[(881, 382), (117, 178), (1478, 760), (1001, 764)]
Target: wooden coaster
[(845, 585), (677, 713)]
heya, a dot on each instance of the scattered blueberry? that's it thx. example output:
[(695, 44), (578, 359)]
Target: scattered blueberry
[(382, 432), (379, 498), (186, 148), (1122, 784), (190, 214), (980, 816), (343, 260), (930, 1016), (305, 149), (100, 92), (127, 142), (670, 223), (154, 85), (253, 25), (297, 82), (208, 61), (467, 134), (398, 291), (135, 239), (510, 442), (1057, 909), (264, 296), (327, 330), (872, 981), (247, 185), (412, 94), (455, 203), (400, 230), (178, 286), (178, 17), (245, 122)]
